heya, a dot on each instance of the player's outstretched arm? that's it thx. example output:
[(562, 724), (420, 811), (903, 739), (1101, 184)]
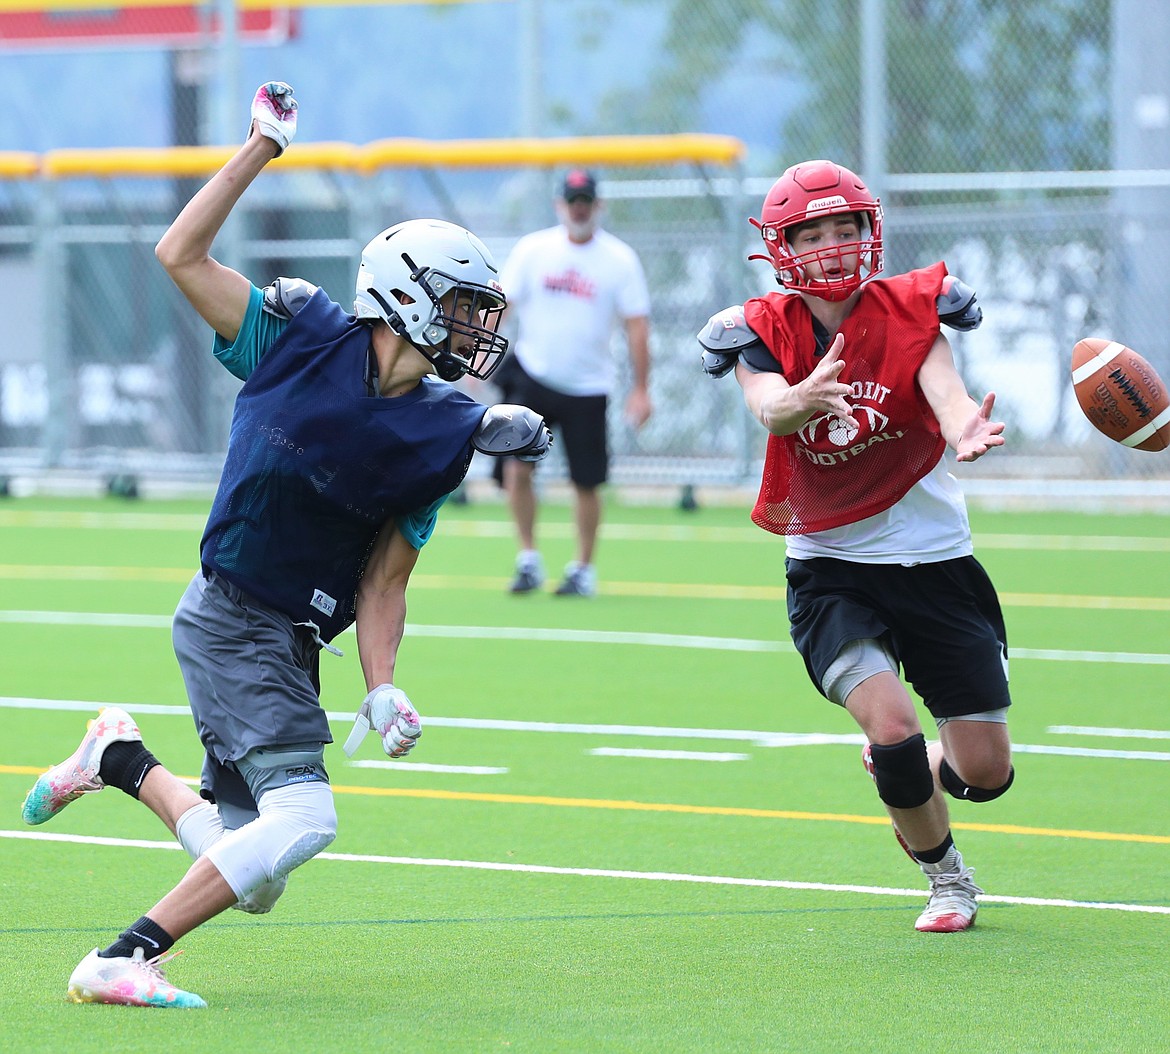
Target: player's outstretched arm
[(381, 619), (782, 408), (381, 604), (218, 293), (966, 425), (980, 433)]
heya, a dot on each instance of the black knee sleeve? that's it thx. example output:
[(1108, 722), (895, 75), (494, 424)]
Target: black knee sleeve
[(902, 773), (956, 788)]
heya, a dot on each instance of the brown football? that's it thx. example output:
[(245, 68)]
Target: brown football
[(1121, 394)]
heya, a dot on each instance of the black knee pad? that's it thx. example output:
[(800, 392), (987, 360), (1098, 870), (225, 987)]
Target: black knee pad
[(956, 788), (902, 773)]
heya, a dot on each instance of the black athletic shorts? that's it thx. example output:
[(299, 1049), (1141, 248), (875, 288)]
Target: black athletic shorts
[(941, 620), (580, 420)]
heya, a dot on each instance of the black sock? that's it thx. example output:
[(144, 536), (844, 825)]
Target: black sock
[(144, 934), (933, 856), (125, 765)]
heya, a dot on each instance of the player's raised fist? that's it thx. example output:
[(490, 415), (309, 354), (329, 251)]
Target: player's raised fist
[(274, 114)]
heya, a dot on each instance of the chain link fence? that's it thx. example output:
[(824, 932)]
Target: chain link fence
[(1028, 145)]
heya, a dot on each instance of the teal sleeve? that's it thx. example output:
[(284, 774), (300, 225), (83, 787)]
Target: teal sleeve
[(258, 332), (418, 526)]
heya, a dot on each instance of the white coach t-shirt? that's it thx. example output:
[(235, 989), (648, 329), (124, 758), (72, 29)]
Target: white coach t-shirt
[(569, 297)]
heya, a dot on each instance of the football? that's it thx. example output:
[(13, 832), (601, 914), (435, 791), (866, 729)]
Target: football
[(1121, 394)]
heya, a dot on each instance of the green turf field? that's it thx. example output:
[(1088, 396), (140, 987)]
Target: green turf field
[(631, 824)]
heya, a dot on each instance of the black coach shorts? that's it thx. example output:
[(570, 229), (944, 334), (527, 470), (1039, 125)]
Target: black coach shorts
[(580, 419), (941, 620)]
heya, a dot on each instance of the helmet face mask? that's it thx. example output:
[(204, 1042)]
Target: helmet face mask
[(465, 327), (435, 284), (807, 193)]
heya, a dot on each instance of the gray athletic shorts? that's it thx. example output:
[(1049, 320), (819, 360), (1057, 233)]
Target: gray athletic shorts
[(251, 678)]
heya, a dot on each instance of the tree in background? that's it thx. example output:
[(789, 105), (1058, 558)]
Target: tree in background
[(972, 85)]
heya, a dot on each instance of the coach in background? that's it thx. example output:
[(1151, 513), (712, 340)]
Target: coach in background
[(343, 447), (569, 286)]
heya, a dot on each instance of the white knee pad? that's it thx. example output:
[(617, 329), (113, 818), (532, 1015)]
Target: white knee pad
[(198, 829), (263, 898), (295, 824)]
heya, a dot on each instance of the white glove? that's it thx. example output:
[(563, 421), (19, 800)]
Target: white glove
[(275, 111), (387, 710)]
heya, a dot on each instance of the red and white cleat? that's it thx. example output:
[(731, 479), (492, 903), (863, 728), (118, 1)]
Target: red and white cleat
[(952, 905)]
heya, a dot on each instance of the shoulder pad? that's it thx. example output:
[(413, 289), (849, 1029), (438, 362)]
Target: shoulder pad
[(956, 305), (724, 336), (286, 296), (509, 430)]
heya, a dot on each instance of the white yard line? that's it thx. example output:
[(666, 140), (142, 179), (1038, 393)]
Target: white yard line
[(573, 636), (759, 738), (668, 755), (596, 872), (193, 523), (423, 766), (1120, 733)]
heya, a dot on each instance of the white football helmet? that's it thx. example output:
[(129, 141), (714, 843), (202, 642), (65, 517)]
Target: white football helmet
[(436, 285)]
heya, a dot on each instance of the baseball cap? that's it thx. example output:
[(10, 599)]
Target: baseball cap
[(579, 184)]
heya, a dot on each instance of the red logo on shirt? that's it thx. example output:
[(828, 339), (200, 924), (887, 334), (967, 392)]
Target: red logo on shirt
[(572, 282)]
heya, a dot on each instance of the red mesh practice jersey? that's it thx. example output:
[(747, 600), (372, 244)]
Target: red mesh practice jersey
[(827, 474)]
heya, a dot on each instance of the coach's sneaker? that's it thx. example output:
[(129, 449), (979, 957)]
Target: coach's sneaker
[(78, 774), (867, 761), (529, 572), (133, 981), (952, 905), (580, 581)]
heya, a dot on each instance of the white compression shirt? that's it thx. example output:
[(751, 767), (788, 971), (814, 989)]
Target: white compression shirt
[(927, 525)]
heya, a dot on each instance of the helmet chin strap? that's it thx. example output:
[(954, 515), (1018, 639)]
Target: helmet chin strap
[(449, 367)]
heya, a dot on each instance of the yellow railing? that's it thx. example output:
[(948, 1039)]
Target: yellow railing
[(613, 150)]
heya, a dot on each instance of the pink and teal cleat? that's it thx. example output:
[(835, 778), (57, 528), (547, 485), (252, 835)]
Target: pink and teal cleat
[(133, 981), (78, 774)]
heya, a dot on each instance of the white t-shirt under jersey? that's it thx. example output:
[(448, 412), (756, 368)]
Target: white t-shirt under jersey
[(569, 297), (928, 524)]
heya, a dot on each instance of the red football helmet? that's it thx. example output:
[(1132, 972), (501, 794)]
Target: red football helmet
[(810, 191)]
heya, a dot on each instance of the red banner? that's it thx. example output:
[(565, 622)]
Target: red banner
[(159, 27)]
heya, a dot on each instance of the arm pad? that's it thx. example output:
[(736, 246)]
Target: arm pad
[(724, 336), (956, 305), (286, 296), (512, 431)]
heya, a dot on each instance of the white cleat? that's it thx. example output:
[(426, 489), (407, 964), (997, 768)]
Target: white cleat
[(580, 581), (529, 573), (952, 905), (132, 981), (78, 774)]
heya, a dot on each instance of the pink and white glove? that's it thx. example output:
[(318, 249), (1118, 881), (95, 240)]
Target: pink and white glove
[(275, 112), (386, 710)]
